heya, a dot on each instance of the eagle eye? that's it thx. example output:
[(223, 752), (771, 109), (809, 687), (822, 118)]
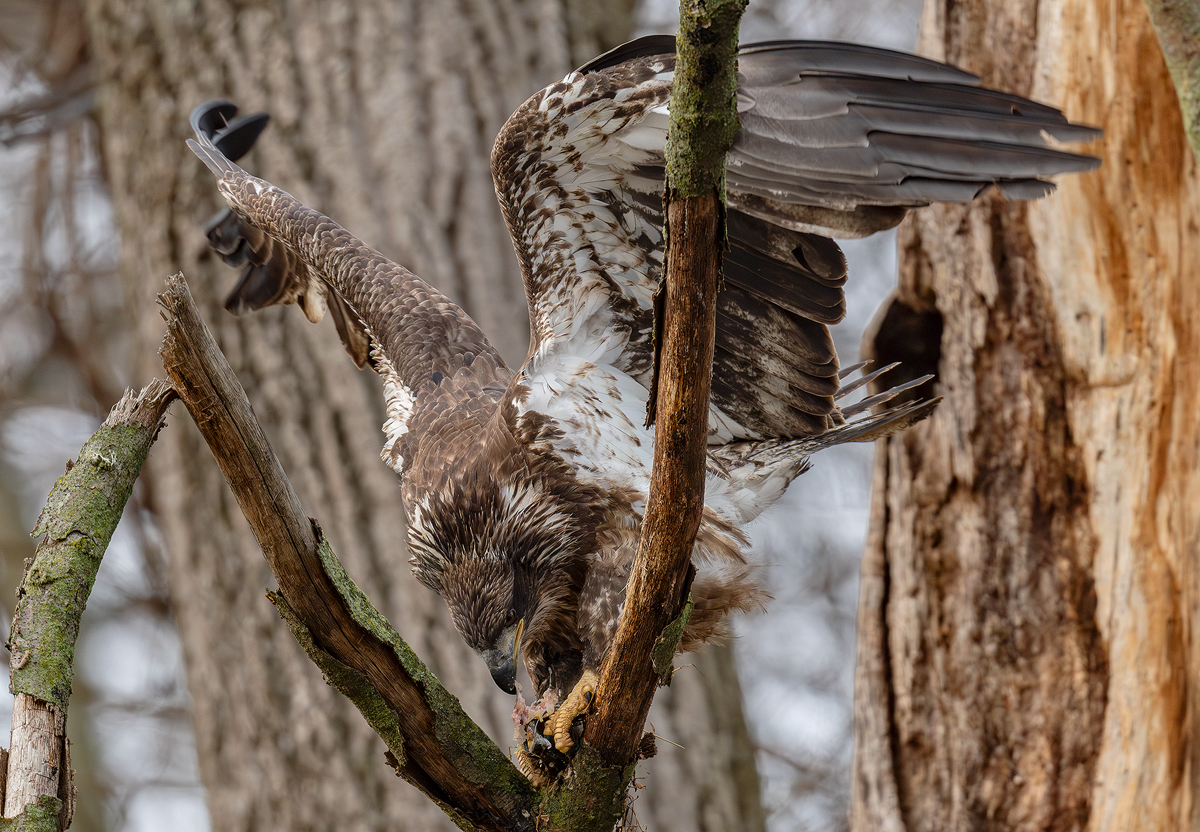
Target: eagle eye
[(510, 619)]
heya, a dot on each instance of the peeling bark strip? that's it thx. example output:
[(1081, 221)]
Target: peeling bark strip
[(658, 580), (78, 521), (659, 577)]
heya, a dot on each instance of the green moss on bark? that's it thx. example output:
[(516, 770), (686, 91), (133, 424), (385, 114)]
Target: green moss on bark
[(347, 680), (590, 798), (355, 687), (78, 521), (473, 752), (42, 816), (668, 643), (704, 119)]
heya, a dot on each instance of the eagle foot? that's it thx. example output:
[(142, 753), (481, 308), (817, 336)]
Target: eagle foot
[(537, 758), (535, 754), (575, 705), (534, 772)]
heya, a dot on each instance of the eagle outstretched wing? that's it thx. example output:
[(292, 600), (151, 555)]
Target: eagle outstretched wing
[(423, 345), (836, 139)]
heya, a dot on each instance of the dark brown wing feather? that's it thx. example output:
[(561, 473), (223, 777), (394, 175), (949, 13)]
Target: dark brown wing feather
[(270, 275), (420, 336), (842, 127)]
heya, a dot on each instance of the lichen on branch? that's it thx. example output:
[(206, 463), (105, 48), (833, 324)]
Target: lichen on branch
[(704, 118), (78, 521)]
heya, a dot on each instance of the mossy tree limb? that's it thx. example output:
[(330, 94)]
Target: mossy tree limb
[(1177, 25), (77, 523), (703, 125), (704, 119)]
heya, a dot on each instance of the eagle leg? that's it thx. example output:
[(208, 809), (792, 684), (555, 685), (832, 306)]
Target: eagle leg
[(576, 704)]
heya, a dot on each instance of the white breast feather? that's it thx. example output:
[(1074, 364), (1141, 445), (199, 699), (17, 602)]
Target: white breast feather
[(600, 411), (398, 403)]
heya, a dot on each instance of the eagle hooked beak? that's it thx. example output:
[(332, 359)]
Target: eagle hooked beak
[(502, 659)]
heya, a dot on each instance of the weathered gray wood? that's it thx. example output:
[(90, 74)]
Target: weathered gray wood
[(36, 753)]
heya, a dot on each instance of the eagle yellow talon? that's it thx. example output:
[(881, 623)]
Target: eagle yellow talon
[(576, 704)]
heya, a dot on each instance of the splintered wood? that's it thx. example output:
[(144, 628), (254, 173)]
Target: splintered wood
[(36, 757)]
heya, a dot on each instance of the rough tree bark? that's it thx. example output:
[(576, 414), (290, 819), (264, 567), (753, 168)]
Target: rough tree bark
[(1028, 651), (383, 116)]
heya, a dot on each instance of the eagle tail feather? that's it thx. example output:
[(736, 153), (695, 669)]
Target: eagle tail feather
[(757, 472), (716, 594), (847, 389), (884, 397)]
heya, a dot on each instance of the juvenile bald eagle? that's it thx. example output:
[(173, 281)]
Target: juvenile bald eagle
[(525, 486)]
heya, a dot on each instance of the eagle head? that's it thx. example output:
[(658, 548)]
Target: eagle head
[(509, 562), (488, 612)]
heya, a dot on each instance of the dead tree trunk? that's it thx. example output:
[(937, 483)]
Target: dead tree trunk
[(1028, 652), (383, 117)]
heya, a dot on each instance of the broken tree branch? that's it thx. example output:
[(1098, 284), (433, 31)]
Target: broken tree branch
[(434, 744), (78, 521)]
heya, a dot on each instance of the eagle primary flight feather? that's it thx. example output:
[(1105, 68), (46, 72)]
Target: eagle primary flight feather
[(525, 486)]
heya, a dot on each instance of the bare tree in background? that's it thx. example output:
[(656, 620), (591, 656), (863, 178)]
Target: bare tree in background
[(1028, 653), (383, 116)]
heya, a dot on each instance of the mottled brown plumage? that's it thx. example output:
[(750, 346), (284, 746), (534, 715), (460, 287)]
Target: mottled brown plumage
[(524, 488)]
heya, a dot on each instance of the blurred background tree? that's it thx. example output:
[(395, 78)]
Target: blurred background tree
[(383, 115)]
